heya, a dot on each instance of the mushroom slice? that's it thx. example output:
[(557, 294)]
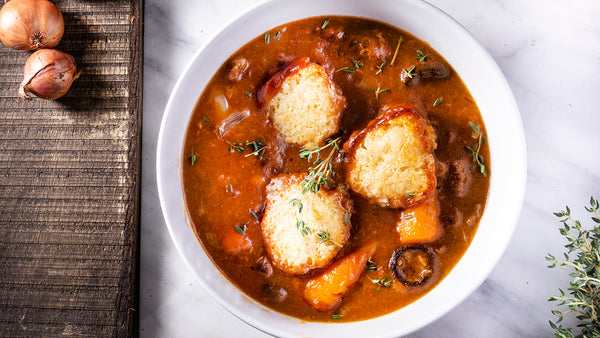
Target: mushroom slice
[(412, 265)]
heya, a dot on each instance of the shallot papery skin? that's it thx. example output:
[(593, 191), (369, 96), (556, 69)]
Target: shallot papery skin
[(31, 24), (48, 74)]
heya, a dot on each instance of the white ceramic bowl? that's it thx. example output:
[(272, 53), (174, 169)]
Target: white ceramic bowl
[(485, 82)]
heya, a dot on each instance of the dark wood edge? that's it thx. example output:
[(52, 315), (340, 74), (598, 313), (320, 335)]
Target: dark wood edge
[(129, 306)]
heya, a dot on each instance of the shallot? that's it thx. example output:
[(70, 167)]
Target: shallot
[(31, 24), (48, 74)]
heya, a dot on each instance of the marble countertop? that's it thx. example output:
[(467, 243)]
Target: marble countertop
[(549, 50)]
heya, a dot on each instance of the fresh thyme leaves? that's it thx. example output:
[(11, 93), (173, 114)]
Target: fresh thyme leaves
[(296, 203), (476, 157), (192, 158), (381, 282), (249, 94), (235, 146), (370, 266), (325, 23), (230, 188), (241, 229), (205, 119), (379, 91), (438, 101), (357, 64), (267, 38), (277, 34), (255, 215), (258, 148), (320, 174), (336, 316), (324, 237), (409, 216), (396, 51), (380, 68), (346, 219), (421, 56), (584, 291), (303, 228), (410, 72), (410, 194)]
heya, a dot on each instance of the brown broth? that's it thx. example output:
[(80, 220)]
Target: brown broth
[(224, 185)]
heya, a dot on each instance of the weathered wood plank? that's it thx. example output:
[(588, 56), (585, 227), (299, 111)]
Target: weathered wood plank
[(69, 182)]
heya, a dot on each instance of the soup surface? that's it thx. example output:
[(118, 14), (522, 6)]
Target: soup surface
[(232, 151)]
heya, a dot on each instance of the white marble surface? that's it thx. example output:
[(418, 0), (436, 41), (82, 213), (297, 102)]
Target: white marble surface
[(549, 51)]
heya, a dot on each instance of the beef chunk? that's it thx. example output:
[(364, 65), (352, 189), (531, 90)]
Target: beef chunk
[(423, 71), (459, 178), (238, 68)]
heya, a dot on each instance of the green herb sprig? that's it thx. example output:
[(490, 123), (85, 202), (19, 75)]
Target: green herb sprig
[(322, 172), (476, 156), (357, 64), (584, 291), (421, 56), (380, 68), (241, 229), (324, 236), (379, 91), (258, 148), (192, 158), (381, 282), (410, 72), (370, 266), (303, 228)]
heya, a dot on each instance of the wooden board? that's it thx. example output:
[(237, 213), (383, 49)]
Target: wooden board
[(69, 182)]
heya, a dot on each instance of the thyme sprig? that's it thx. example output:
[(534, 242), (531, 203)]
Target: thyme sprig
[(380, 68), (476, 156), (379, 91), (241, 229), (357, 64), (235, 146), (410, 72), (303, 228), (421, 56), (371, 266), (584, 291), (322, 172), (192, 158), (324, 236), (258, 148), (381, 282)]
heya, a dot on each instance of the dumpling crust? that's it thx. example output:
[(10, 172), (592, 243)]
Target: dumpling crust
[(288, 210), (302, 102), (391, 161)]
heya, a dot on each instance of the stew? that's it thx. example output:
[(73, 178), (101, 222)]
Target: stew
[(391, 254)]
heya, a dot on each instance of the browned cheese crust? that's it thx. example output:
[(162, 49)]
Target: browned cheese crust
[(289, 211), (391, 161)]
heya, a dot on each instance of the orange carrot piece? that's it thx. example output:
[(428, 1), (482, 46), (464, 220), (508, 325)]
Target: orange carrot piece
[(324, 292), (419, 223), (233, 242)]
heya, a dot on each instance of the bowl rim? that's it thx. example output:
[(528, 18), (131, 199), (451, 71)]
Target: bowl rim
[(253, 313)]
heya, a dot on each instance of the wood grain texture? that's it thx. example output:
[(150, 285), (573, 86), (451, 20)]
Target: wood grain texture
[(69, 182)]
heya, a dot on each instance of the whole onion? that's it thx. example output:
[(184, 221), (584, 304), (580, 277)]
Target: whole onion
[(48, 74), (31, 24)]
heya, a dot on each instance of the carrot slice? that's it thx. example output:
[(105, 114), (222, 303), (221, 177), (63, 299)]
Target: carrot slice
[(419, 223), (234, 242), (324, 292)]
